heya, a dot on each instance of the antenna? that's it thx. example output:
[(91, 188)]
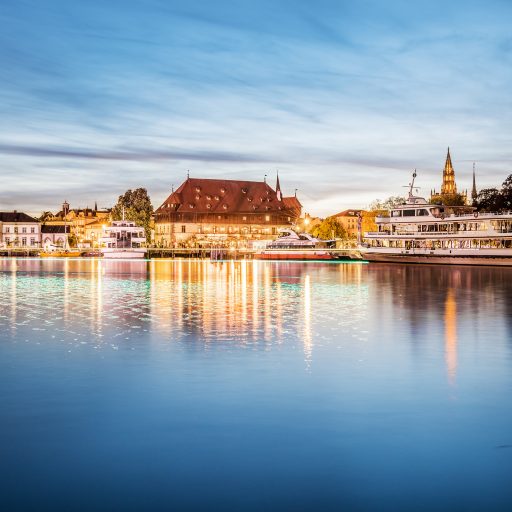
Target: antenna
[(411, 186)]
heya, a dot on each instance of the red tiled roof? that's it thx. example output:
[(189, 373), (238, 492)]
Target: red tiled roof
[(226, 196), (348, 213)]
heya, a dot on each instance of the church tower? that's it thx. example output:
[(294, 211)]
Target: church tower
[(448, 186), (474, 193)]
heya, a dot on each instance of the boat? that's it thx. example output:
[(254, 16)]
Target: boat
[(123, 239), (61, 253), (420, 232), (291, 245)]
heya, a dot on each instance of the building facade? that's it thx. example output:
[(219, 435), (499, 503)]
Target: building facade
[(349, 219), (84, 225), (223, 211), (17, 229)]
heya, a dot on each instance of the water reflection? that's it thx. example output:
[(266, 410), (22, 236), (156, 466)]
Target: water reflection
[(255, 304), (450, 319)]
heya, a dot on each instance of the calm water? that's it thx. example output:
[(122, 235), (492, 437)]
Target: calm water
[(185, 385)]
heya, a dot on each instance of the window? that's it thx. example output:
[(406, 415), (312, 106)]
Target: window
[(183, 229), (7, 229), (396, 213), (267, 217), (24, 241), (32, 230), (23, 230), (32, 242)]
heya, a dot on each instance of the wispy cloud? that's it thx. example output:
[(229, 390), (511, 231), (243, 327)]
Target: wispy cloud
[(345, 98)]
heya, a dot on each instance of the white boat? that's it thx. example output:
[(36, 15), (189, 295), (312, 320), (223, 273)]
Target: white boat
[(297, 246), (123, 239), (420, 232)]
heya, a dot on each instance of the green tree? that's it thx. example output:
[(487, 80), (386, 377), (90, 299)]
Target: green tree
[(506, 193), (137, 207), (448, 199), (328, 229), (387, 204), (489, 200)]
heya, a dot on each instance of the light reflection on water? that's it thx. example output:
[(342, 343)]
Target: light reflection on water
[(346, 385)]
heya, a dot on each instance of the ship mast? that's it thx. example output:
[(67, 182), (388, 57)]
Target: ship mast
[(411, 185)]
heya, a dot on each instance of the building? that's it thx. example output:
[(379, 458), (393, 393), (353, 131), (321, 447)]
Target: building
[(223, 211), (349, 219), (17, 229), (54, 236), (449, 194), (83, 224)]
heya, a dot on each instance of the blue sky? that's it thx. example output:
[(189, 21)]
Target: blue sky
[(344, 98)]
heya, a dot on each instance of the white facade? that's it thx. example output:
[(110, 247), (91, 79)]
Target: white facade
[(19, 230)]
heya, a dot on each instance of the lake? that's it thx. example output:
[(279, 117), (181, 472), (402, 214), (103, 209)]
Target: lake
[(246, 385)]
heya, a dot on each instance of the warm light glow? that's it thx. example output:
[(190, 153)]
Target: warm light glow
[(450, 335)]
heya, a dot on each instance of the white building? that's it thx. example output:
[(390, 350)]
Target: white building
[(17, 229)]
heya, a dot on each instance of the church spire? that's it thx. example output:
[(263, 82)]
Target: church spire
[(278, 189), (448, 186), (474, 193)]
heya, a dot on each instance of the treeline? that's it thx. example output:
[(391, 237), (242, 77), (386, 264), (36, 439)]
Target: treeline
[(495, 200)]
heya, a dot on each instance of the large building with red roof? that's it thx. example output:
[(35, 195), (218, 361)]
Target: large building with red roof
[(223, 210)]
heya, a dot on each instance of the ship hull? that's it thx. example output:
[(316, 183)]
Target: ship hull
[(124, 254), (291, 255), (437, 259)]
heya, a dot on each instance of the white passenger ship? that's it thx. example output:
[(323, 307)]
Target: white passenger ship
[(419, 232), (123, 239)]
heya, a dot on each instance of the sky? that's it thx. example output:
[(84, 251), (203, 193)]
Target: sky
[(342, 98)]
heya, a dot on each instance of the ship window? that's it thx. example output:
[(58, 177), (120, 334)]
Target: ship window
[(422, 213), (409, 213), (396, 213)]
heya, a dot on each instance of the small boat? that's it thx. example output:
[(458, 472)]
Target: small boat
[(55, 251), (123, 239), (291, 245)]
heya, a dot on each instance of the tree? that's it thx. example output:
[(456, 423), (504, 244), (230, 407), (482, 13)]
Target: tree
[(506, 193), (328, 229), (448, 199), (387, 204), (137, 207), (489, 200)]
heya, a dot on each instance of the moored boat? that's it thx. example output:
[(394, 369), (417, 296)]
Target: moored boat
[(297, 246), (123, 239), (420, 232)]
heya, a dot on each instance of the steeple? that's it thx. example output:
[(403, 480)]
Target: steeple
[(448, 186), (278, 189), (474, 193)]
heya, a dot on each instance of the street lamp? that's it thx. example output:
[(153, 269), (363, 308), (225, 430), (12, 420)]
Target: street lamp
[(65, 211)]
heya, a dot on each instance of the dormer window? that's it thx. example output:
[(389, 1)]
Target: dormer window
[(191, 205), (217, 198), (208, 206), (249, 199), (222, 190), (244, 190), (198, 189), (209, 197), (225, 206)]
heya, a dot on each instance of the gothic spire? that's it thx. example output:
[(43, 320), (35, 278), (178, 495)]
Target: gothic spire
[(474, 193), (278, 189), (448, 186)]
